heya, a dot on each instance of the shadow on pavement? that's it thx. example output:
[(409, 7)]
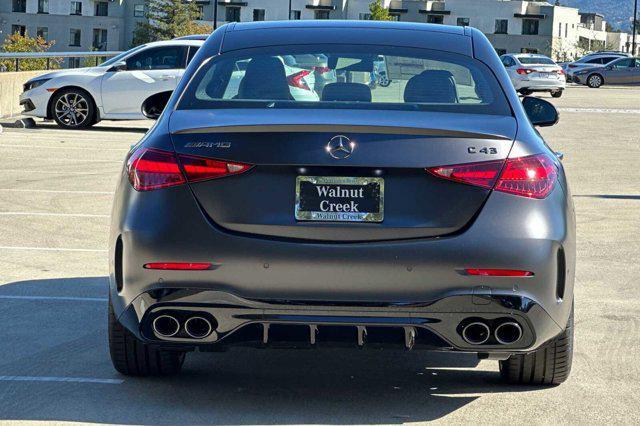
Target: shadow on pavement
[(610, 197), (10, 124), (67, 338)]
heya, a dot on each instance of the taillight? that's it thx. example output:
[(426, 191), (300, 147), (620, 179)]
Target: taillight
[(150, 169), (478, 174), (322, 70), (524, 71), (199, 168), (533, 176), (561, 71), (297, 80), (153, 169)]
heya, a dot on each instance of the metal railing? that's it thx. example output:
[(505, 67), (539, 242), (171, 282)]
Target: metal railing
[(49, 56)]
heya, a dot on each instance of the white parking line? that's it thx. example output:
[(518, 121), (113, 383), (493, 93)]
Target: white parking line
[(60, 379), (6, 145), (57, 298), (56, 191), (601, 110), (50, 172), (53, 214), (52, 249)]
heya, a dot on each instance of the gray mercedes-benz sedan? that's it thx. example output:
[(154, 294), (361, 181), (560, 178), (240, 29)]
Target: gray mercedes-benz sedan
[(263, 209)]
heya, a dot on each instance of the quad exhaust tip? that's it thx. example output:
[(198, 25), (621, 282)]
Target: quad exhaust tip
[(166, 326), (508, 333), (198, 327), (476, 333)]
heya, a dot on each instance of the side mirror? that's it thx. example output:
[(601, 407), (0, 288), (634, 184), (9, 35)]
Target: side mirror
[(152, 107), (118, 66), (541, 113)]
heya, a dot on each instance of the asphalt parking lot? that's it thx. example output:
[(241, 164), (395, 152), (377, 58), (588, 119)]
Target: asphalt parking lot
[(56, 188)]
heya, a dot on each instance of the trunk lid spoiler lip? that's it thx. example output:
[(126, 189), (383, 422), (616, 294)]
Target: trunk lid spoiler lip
[(442, 124)]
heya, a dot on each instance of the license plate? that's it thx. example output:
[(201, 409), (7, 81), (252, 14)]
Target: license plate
[(339, 199), (545, 75)]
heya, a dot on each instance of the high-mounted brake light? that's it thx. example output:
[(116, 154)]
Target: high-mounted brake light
[(178, 266), (150, 169), (533, 176), (498, 272), (297, 80)]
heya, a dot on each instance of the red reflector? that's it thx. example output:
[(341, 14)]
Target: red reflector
[(297, 80), (479, 174), (152, 169), (178, 266), (198, 168), (499, 272), (533, 176)]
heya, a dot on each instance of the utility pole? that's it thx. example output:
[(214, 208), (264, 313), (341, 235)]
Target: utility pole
[(215, 14), (289, 10), (634, 28)]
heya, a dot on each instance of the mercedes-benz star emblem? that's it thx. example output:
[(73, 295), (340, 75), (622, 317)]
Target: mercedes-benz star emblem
[(340, 147)]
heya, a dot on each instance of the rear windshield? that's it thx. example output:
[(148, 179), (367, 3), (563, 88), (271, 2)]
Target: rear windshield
[(535, 60), (349, 77)]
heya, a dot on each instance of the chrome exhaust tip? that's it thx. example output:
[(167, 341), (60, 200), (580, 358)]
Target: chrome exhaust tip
[(476, 333), (508, 333), (166, 326), (198, 327)]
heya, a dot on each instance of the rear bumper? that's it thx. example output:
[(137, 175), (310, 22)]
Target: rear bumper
[(435, 325), (541, 84)]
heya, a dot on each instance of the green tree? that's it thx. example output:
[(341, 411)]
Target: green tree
[(15, 43), (167, 19), (379, 12)]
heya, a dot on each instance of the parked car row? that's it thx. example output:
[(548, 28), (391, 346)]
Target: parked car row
[(534, 73)]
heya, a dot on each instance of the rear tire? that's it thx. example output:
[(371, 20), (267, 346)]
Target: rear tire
[(132, 357), (556, 93), (595, 81), (550, 365), (525, 92)]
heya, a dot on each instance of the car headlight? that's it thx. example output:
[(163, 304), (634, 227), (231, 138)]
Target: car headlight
[(29, 85)]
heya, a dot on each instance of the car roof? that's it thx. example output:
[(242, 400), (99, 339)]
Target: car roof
[(176, 42), (303, 32), (201, 37)]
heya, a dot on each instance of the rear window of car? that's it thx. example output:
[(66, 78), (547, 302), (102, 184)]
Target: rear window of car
[(535, 61), (364, 77)]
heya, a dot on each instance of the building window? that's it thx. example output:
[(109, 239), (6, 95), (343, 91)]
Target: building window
[(43, 32), (528, 50), (75, 35), (462, 22), (296, 14), (43, 6), (501, 52), (200, 15), (102, 9), (559, 29), (19, 6), (99, 39), (74, 63), (435, 19), (502, 26), (19, 29), (394, 17), (258, 14), (365, 17), (76, 8), (321, 14), (232, 14), (566, 30), (530, 26), (138, 11)]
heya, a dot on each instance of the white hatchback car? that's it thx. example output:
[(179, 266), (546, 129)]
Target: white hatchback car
[(534, 73), (133, 85)]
